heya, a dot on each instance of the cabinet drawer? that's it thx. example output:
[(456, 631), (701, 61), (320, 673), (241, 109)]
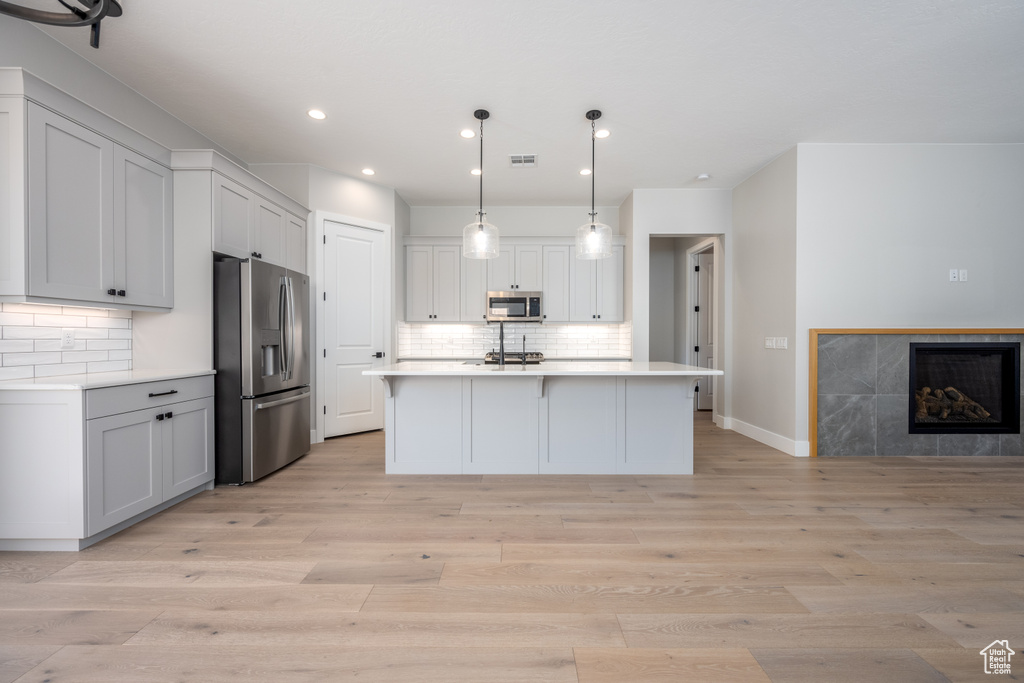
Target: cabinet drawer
[(122, 399)]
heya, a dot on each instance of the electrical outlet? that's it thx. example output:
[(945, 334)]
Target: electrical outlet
[(782, 342), (954, 275), (769, 342), (67, 338)]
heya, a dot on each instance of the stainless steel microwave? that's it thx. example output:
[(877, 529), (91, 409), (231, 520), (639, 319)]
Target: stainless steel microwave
[(514, 307)]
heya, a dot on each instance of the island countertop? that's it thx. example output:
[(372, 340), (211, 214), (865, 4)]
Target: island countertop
[(545, 369)]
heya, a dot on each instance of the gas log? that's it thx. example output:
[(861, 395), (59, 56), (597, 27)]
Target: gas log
[(946, 404)]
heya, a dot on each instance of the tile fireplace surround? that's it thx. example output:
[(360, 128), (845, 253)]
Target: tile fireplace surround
[(859, 392)]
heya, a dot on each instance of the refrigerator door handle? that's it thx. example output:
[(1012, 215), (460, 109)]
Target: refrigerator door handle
[(274, 404), (282, 312), (291, 327)]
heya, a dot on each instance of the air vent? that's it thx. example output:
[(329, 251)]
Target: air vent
[(522, 160)]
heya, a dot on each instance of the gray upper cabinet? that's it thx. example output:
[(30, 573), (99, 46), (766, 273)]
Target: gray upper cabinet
[(596, 288), (295, 244), (70, 209), (234, 212), (143, 230), (86, 210), (269, 229)]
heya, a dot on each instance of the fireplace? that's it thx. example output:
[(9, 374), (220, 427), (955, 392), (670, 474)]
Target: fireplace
[(964, 388)]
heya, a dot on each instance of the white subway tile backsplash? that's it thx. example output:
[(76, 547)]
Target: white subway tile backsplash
[(473, 341), (30, 340), (42, 358)]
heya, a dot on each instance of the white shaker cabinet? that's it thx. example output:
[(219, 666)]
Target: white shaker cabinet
[(433, 290), (556, 283), (596, 288), (474, 290), (517, 267), (234, 212), (269, 232), (295, 244)]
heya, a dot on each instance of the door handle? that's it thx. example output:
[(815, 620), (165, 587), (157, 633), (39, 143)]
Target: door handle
[(274, 404), (379, 354)]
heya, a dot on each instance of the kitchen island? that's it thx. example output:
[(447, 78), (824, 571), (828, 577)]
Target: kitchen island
[(549, 418)]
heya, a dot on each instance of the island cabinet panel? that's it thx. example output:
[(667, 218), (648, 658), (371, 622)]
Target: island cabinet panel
[(425, 424), (657, 433), (568, 403), (499, 426)]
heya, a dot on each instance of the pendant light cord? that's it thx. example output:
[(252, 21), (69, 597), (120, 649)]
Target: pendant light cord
[(481, 212), (593, 161)]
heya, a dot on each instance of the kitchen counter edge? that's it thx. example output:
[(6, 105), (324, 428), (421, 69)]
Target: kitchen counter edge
[(546, 368), (97, 380)]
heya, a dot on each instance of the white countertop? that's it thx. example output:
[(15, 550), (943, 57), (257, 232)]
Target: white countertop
[(97, 380), (545, 369)]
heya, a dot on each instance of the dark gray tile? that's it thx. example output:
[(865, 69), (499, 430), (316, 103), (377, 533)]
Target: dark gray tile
[(893, 430), (846, 425), (968, 444), (893, 371), (846, 364), (1013, 444)]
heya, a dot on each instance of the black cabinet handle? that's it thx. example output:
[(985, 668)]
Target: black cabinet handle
[(168, 415), (164, 393), (160, 417), (112, 292), (121, 292), (257, 254), (593, 316), (598, 317)]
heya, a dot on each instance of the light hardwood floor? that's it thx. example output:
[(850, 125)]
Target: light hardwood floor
[(758, 567)]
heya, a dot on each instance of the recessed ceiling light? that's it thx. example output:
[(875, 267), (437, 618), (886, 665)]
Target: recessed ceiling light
[(476, 171), (703, 176), (601, 134), (585, 171), (467, 133), (316, 114), (368, 171)]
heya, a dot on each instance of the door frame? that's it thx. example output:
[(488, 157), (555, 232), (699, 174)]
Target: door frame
[(319, 305), (714, 245)]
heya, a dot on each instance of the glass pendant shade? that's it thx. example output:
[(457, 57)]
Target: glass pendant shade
[(593, 241), (480, 239)]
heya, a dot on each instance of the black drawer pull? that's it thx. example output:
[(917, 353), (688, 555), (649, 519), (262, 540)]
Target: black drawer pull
[(168, 415), (159, 417), (164, 393)]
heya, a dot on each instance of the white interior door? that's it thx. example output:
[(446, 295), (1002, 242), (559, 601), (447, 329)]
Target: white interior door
[(355, 268), (704, 330)]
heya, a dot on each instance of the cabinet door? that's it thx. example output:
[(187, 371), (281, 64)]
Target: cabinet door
[(501, 276), (529, 268), (187, 446), (474, 289), (583, 287), (556, 284), (233, 216), (123, 468), (419, 286), (609, 287), (446, 281), (269, 232), (143, 230), (295, 244), (70, 209)]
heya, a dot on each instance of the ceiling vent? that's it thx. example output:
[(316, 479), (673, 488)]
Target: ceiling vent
[(522, 160)]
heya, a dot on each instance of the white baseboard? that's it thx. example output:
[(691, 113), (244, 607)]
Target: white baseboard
[(800, 449)]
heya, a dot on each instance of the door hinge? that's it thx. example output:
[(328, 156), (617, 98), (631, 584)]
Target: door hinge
[(325, 296), (696, 309), (325, 353), (325, 242), (696, 388), (325, 410), (696, 349), (696, 269)]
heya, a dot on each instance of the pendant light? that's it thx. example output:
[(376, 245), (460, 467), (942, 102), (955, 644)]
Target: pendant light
[(95, 11), (480, 238), (593, 239)]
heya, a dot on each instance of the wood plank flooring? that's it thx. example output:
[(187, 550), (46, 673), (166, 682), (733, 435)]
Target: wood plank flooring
[(759, 567)]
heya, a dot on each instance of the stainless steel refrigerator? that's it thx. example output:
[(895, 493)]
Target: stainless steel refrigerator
[(261, 354)]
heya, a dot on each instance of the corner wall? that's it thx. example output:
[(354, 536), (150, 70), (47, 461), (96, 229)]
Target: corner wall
[(880, 226), (764, 386)]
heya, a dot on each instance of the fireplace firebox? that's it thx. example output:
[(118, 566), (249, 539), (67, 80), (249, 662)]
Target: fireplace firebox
[(964, 388)]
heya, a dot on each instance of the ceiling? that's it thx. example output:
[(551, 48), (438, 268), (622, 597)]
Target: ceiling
[(686, 86)]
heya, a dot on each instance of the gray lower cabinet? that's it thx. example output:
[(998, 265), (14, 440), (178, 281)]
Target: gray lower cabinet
[(137, 459)]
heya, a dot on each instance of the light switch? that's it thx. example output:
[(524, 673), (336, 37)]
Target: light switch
[(769, 342), (782, 342), (963, 275)]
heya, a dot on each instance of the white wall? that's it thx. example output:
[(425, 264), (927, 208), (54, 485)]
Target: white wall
[(23, 45), (879, 227), (513, 221), (292, 179), (764, 384)]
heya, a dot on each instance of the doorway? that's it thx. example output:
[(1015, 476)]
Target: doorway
[(355, 324), (702, 269)]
